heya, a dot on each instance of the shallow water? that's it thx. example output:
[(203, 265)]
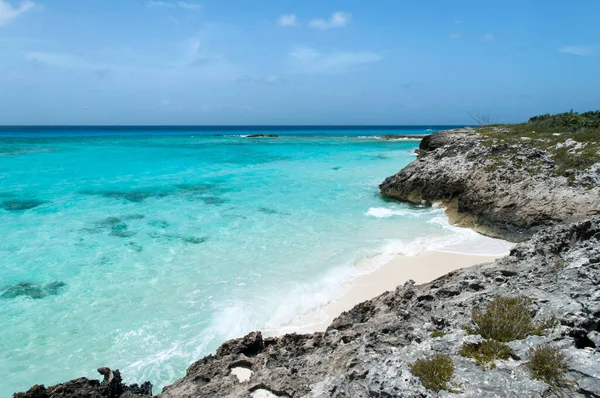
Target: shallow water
[(144, 251)]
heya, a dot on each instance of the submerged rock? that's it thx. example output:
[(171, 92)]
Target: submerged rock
[(185, 239), (158, 224), (135, 247), (213, 200), (20, 205), (133, 196), (109, 222), (24, 289), (134, 217), (54, 288), (262, 136), (33, 290), (111, 386)]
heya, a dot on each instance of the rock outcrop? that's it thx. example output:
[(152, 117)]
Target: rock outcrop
[(110, 387), (507, 190)]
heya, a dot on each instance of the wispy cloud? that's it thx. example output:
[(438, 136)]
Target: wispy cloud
[(63, 60), (287, 20), (338, 19), (8, 11), (582, 51), (489, 36), (309, 61), (178, 4), (455, 35)]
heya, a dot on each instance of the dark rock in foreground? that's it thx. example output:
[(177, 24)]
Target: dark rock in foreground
[(111, 387), (503, 189)]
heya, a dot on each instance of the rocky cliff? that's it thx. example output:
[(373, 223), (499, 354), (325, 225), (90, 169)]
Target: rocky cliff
[(545, 295), (500, 185)]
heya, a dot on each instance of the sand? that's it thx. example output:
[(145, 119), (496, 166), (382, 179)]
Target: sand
[(422, 268)]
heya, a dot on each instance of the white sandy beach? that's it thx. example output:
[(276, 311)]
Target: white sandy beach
[(422, 268)]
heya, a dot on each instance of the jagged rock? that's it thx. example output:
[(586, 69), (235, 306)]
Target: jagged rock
[(111, 387), (511, 197)]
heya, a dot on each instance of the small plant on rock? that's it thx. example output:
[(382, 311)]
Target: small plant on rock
[(434, 372), (438, 333), (504, 319), (486, 353), (548, 364)]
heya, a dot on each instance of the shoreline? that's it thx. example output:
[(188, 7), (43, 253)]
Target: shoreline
[(422, 268)]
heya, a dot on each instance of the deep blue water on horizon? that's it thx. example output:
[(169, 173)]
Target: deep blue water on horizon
[(288, 130)]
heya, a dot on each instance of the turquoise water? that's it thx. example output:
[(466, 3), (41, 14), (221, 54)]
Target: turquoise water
[(145, 250)]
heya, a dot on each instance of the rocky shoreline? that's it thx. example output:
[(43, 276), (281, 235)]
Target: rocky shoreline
[(510, 191)]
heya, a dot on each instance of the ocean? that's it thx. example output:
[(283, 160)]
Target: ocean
[(144, 249)]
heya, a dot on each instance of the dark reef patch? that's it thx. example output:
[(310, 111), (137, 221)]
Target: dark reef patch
[(336, 168), (21, 205), (33, 290), (158, 224), (121, 230), (133, 217), (198, 188), (135, 247), (268, 210), (195, 240), (213, 200), (109, 222), (133, 196)]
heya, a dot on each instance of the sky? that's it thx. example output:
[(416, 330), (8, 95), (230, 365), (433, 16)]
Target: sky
[(291, 62)]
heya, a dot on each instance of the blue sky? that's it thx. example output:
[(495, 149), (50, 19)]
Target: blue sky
[(295, 62)]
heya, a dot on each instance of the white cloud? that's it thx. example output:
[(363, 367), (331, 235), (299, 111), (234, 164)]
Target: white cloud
[(455, 35), (286, 20), (180, 4), (189, 6), (337, 20), (489, 36), (8, 11), (582, 51), (309, 61)]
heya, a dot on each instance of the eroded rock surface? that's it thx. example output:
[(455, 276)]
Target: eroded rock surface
[(111, 386), (504, 190)]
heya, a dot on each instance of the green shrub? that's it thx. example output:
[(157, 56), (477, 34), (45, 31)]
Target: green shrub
[(486, 353), (548, 364), (438, 333), (504, 319), (434, 372)]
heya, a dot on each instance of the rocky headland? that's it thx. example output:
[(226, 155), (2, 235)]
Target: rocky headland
[(526, 325)]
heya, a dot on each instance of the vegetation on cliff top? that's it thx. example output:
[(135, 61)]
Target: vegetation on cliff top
[(572, 140)]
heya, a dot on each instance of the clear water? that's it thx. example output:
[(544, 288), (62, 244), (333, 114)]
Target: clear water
[(170, 242)]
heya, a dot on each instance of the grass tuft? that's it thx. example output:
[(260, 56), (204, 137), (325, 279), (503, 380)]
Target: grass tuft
[(548, 364), (438, 333), (504, 319), (486, 353), (434, 372)]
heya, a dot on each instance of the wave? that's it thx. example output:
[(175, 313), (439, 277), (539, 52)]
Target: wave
[(382, 212)]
